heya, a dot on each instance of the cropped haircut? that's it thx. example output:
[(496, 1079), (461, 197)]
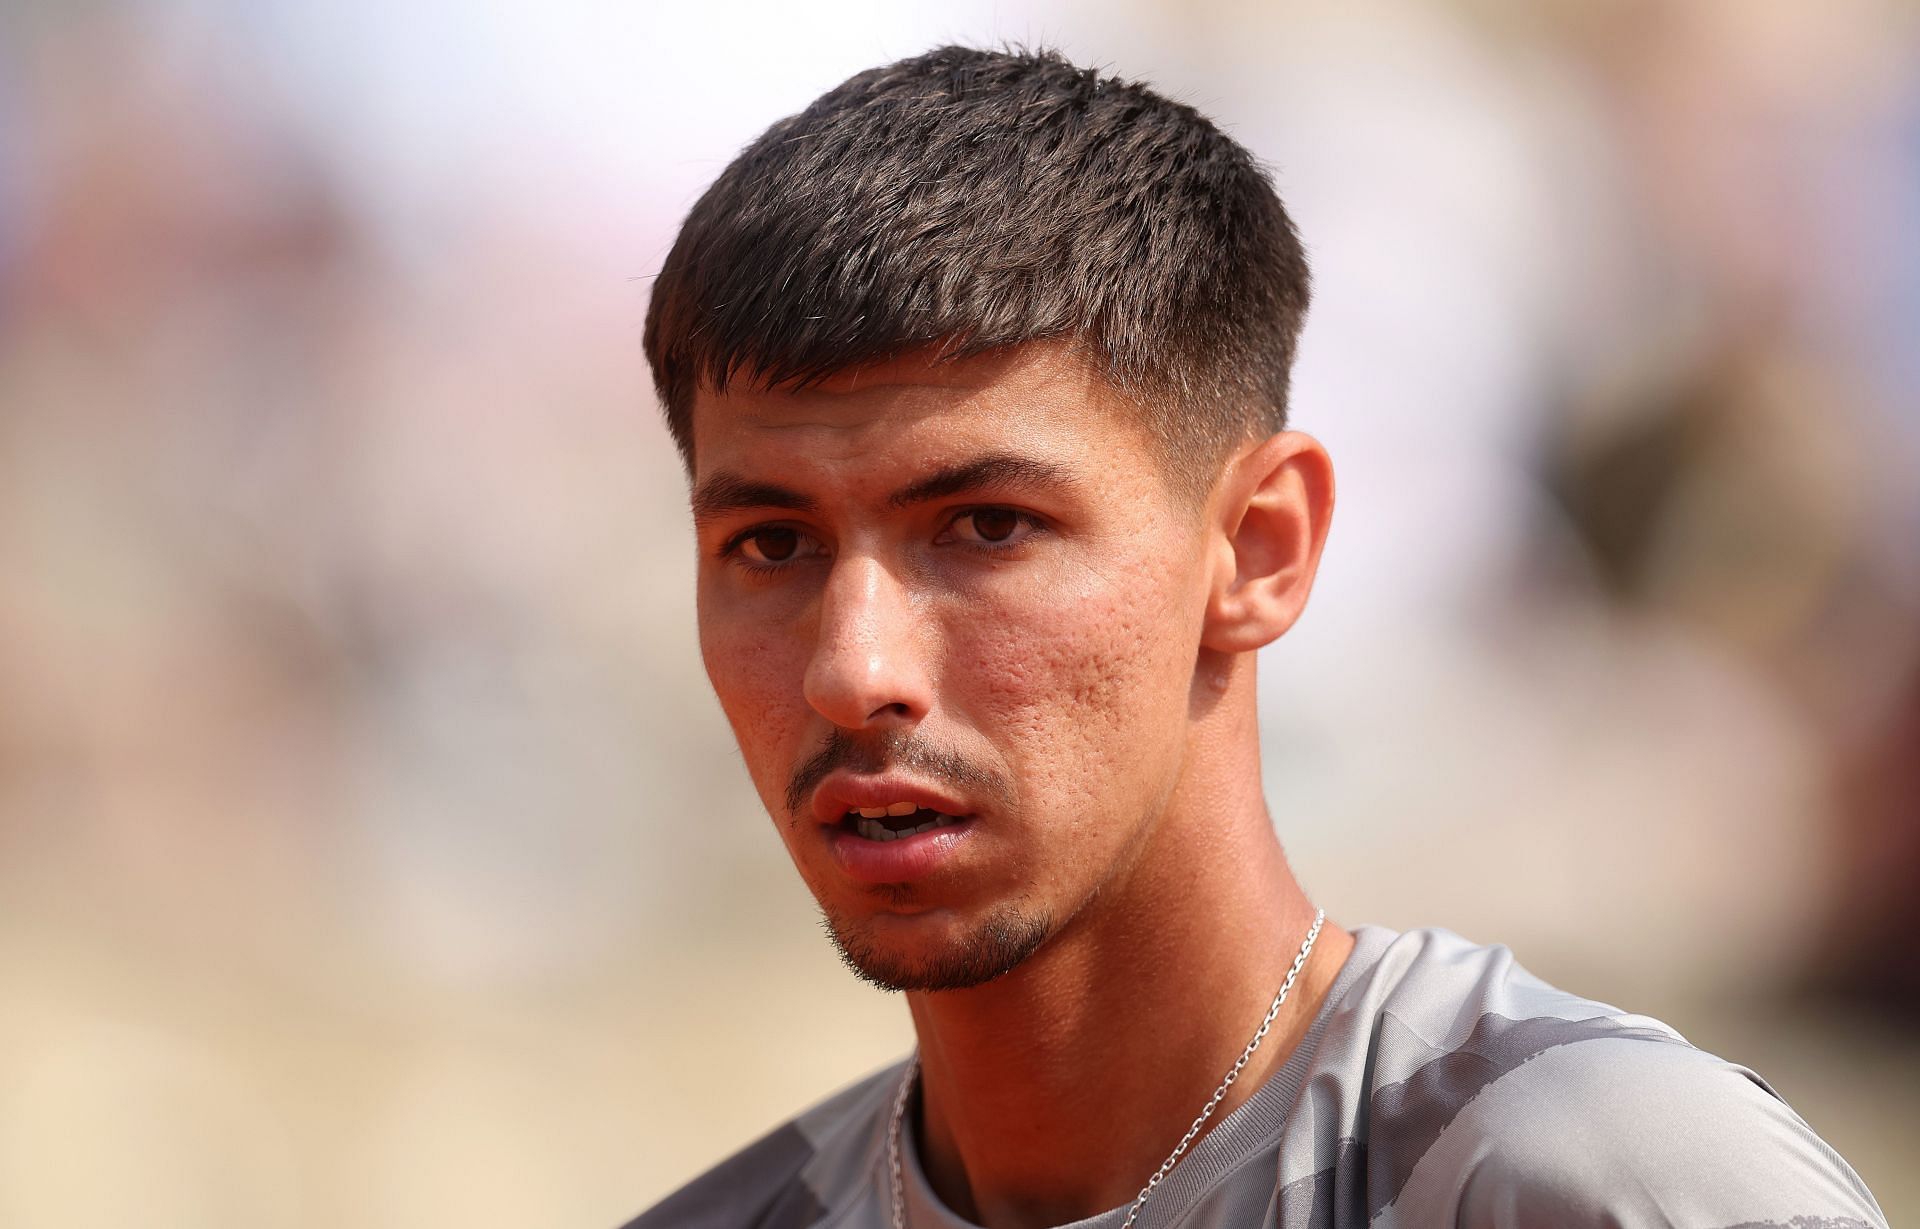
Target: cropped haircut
[(965, 201)]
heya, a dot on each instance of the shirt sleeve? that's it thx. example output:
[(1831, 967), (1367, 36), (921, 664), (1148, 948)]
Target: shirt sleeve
[(1626, 1134)]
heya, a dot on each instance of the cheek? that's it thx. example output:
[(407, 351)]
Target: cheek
[(1086, 690), (756, 674)]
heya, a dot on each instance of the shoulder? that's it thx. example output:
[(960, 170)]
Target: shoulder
[(798, 1175), (1617, 1134), (1511, 1102)]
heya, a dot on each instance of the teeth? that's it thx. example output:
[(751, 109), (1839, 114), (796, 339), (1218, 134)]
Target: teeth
[(894, 809), (870, 827)]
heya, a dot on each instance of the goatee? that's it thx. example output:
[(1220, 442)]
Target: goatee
[(999, 946)]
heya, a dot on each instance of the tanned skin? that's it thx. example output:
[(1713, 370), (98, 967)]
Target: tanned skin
[(975, 581)]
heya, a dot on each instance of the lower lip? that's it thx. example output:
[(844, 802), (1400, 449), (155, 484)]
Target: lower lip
[(900, 860)]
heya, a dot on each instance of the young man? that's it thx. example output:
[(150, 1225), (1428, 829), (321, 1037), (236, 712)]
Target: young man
[(979, 366)]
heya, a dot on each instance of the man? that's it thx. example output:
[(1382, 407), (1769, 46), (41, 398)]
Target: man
[(979, 367)]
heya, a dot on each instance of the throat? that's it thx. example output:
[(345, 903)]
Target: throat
[(1063, 1107)]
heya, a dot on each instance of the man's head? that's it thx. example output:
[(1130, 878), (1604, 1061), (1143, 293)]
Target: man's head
[(977, 366), (967, 201)]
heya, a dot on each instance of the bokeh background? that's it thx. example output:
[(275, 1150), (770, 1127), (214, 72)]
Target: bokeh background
[(371, 850)]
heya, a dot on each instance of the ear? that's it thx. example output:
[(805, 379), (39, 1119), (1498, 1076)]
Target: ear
[(1267, 520)]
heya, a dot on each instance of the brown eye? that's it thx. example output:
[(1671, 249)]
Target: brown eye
[(773, 545), (992, 527), (995, 524)]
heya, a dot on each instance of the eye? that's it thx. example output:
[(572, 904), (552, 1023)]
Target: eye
[(769, 546), (992, 527)]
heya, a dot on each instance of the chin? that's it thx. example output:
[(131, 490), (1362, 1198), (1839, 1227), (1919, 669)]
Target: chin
[(990, 948)]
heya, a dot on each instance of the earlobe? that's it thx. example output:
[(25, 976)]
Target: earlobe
[(1269, 518)]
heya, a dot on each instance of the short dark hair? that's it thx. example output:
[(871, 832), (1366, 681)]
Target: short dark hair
[(967, 201)]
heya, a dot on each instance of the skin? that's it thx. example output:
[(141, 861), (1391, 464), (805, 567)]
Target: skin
[(1074, 638)]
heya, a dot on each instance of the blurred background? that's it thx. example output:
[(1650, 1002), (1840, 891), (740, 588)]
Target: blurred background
[(372, 852)]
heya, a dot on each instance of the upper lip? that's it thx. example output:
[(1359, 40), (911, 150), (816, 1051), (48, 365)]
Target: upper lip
[(845, 791)]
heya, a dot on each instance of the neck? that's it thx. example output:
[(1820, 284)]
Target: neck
[(1053, 1093)]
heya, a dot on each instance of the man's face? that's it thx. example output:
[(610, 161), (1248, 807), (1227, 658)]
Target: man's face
[(963, 599)]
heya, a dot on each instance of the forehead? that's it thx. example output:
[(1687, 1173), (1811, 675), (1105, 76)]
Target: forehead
[(1033, 398)]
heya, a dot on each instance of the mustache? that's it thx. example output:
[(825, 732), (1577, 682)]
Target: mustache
[(894, 749)]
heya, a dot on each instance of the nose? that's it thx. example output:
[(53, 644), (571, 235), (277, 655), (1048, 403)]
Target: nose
[(866, 670)]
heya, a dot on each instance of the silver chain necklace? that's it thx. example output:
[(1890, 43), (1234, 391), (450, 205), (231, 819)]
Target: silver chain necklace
[(1166, 1166)]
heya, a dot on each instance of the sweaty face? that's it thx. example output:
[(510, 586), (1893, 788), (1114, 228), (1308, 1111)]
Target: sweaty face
[(952, 613)]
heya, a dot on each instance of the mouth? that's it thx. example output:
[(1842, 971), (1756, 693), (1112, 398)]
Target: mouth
[(895, 821), (891, 829), (885, 807)]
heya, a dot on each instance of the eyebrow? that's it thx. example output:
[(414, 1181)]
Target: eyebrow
[(726, 493), (999, 470)]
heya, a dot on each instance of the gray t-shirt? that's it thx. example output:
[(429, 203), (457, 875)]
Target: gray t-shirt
[(1439, 1085)]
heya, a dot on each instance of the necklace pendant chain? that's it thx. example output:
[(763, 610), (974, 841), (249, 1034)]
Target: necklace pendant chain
[(900, 1096)]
